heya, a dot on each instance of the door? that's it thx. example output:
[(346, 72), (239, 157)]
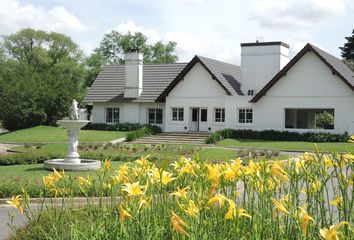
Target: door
[(194, 124), (203, 120)]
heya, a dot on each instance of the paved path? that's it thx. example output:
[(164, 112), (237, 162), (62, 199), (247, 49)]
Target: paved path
[(18, 220), (6, 146)]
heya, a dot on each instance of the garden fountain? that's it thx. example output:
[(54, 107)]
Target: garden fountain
[(72, 161)]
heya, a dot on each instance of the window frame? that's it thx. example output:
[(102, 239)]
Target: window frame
[(221, 118), (179, 114), (114, 110), (155, 120), (244, 113)]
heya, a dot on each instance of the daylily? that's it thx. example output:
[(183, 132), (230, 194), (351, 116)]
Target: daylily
[(178, 224), (331, 233), (181, 193), (133, 189), (337, 202), (278, 171), (279, 205), (219, 198), (166, 178), (351, 139), (16, 202), (143, 161), (123, 214), (304, 219), (107, 165), (213, 174), (85, 181), (192, 209)]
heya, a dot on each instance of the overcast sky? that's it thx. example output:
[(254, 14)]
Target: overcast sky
[(212, 28)]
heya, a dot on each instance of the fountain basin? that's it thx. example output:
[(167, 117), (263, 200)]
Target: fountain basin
[(73, 124), (83, 165)]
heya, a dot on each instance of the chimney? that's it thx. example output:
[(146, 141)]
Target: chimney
[(260, 62), (133, 74)]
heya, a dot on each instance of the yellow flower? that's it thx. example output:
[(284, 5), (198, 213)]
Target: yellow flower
[(123, 214), (16, 202), (328, 162), (181, 193), (331, 233), (213, 174), (133, 189), (278, 172), (219, 198), (107, 165), (178, 224), (243, 213), (107, 186), (192, 209), (252, 168), (338, 202), (122, 174), (166, 178), (85, 181), (279, 205), (315, 186), (304, 219), (231, 212), (143, 161), (351, 139)]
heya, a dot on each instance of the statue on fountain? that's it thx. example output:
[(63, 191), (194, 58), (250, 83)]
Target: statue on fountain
[(74, 111)]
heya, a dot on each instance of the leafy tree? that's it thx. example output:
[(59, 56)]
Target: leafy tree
[(115, 44), (41, 73), (347, 51), (325, 120)]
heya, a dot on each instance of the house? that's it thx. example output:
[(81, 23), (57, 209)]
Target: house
[(266, 92)]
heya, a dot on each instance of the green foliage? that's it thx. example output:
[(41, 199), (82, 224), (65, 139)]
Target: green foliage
[(347, 51), (41, 72), (274, 135), (113, 127), (325, 120), (142, 132)]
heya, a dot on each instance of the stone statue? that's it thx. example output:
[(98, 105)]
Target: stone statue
[(74, 111)]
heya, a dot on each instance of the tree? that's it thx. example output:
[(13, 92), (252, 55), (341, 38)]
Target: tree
[(115, 44), (41, 74), (325, 120), (347, 51)]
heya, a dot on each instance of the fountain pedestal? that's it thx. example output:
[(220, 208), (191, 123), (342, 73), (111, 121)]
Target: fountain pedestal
[(72, 161)]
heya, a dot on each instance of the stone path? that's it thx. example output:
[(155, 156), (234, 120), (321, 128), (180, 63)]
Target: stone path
[(4, 147), (174, 138)]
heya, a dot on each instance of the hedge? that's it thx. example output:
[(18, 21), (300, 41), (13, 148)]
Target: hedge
[(274, 135), (113, 127), (142, 132)]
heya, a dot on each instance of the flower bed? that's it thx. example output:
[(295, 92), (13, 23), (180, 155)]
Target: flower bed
[(309, 197)]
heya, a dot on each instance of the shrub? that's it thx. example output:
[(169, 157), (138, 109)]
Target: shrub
[(325, 120), (26, 158), (274, 135), (113, 127), (147, 130)]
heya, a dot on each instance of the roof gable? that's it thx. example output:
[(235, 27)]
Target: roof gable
[(225, 74), (337, 67)]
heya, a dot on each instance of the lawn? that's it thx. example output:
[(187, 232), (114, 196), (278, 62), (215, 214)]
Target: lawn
[(57, 134), (286, 145)]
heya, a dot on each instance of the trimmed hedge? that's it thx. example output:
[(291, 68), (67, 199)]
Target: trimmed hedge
[(274, 135), (113, 127), (142, 132)]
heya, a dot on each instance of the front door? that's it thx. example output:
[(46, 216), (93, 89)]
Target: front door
[(203, 120), (194, 125)]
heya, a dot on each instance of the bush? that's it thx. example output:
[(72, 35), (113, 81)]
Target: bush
[(273, 135), (325, 120), (147, 130), (114, 127), (26, 158)]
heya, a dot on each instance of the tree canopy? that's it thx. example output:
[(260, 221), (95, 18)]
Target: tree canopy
[(115, 44), (41, 72), (347, 51)]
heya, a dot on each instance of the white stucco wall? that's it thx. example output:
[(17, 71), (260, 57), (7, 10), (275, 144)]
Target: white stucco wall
[(308, 84), (197, 89)]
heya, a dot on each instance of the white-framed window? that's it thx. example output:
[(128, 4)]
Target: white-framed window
[(155, 115), (245, 115), (219, 115), (112, 115), (177, 114)]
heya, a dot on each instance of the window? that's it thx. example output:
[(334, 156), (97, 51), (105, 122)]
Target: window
[(309, 118), (219, 114), (177, 114), (245, 115), (112, 115), (250, 92), (203, 115), (155, 115)]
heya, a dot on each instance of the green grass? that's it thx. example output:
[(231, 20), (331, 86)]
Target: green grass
[(286, 145), (57, 134)]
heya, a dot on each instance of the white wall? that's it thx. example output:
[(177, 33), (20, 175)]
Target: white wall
[(308, 84), (197, 89)]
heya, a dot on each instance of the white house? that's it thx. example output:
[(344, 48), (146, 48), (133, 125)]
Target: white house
[(266, 92)]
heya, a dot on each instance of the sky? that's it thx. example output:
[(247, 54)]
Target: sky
[(211, 28)]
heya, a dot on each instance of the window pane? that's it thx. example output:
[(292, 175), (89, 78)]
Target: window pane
[(195, 114), (241, 115), (115, 115), (152, 115), (180, 114), (174, 114), (109, 115), (158, 116), (204, 115), (223, 115)]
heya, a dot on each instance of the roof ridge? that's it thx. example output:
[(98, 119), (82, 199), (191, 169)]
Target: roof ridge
[(199, 56), (144, 64)]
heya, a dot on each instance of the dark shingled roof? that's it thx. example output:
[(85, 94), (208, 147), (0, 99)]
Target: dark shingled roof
[(109, 84), (226, 74), (336, 65)]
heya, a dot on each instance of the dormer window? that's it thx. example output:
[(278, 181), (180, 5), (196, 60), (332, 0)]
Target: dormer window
[(250, 92)]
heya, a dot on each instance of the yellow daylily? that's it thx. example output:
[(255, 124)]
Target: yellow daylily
[(219, 198), (123, 214), (231, 212), (351, 139), (166, 178), (16, 202), (107, 165), (337, 202), (133, 189), (85, 181), (213, 174), (278, 171), (192, 209), (178, 224), (181, 193), (143, 161), (280, 207), (331, 233), (304, 219), (328, 162)]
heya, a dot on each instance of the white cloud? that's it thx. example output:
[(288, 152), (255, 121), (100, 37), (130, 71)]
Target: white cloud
[(130, 26), (14, 16), (283, 14)]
